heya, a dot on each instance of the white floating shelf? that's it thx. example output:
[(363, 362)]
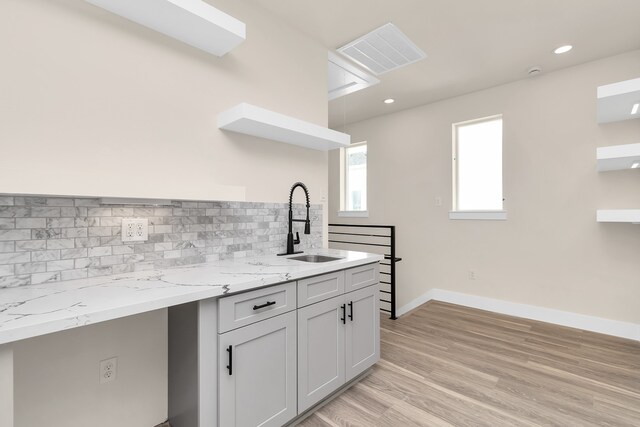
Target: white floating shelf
[(193, 22), (618, 157), (619, 215), (251, 120), (616, 101)]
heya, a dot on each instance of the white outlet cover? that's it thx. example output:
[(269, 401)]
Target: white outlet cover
[(135, 229), (108, 370)]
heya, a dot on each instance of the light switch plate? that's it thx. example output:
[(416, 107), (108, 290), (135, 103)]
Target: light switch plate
[(135, 229)]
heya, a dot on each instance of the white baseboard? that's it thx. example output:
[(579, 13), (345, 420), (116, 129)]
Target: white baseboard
[(549, 315)]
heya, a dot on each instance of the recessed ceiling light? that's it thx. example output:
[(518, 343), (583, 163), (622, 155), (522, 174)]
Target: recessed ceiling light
[(634, 109), (636, 165), (563, 49), (391, 101)]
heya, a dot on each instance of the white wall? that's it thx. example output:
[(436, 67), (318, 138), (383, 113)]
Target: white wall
[(550, 252), (57, 375), (6, 386), (92, 104)]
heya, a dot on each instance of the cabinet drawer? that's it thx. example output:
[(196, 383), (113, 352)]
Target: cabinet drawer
[(361, 277), (320, 288), (243, 309)]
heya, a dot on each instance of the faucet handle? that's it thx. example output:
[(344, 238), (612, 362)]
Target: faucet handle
[(297, 240)]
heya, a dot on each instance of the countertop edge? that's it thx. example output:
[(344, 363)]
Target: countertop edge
[(73, 321)]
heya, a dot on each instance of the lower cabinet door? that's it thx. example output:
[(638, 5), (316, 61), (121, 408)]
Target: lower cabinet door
[(363, 330), (320, 350), (257, 373)]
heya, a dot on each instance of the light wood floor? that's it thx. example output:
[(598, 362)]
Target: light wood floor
[(446, 365)]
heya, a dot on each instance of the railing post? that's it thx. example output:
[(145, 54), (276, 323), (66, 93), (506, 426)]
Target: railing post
[(393, 272)]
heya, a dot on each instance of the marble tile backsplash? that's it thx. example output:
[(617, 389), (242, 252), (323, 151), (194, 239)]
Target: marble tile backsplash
[(48, 239)]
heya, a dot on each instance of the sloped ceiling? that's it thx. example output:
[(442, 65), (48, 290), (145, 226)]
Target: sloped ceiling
[(471, 45)]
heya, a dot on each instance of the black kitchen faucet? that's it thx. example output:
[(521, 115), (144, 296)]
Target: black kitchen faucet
[(307, 224)]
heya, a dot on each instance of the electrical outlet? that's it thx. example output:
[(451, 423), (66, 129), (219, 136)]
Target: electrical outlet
[(438, 201), (472, 275), (135, 229), (108, 370)]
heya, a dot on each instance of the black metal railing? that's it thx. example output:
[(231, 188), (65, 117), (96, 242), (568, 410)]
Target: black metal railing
[(381, 241)]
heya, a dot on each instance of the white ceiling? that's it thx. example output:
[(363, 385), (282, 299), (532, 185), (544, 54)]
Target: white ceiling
[(470, 44)]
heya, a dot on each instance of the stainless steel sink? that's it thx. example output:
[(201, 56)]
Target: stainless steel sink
[(315, 258)]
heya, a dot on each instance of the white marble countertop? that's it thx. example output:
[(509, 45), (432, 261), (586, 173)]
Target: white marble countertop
[(33, 310)]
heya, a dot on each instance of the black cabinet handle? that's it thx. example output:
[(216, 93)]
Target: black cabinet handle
[(230, 365), (344, 313), (266, 304), (351, 310)]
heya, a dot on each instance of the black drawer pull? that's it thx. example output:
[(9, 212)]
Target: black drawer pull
[(230, 365), (351, 310), (344, 314), (266, 304)]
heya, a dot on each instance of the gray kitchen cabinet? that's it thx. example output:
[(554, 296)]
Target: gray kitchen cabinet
[(361, 277), (338, 339), (362, 348), (265, 356), (257, 373), (250, 307), (321, 368), (320, 288)]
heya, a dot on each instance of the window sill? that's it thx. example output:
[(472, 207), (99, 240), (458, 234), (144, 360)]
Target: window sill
[(481, 215), (353, 214)]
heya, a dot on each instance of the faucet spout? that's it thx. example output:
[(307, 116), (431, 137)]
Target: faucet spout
[(307, 223)]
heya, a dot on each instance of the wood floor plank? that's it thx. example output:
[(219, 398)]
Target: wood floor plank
[(406, 415), (527, 411), (445, 404), (606, 405), (315, 420), (374, 404), (342, 412), (447, 365)]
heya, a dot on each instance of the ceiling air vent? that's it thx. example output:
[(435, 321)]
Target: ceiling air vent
[(383, 50), (346, 78)]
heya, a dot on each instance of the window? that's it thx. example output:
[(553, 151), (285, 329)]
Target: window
[(354, 180), (477, 169)]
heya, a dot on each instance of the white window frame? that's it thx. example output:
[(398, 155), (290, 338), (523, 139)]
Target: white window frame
[(343, 184), (456, 214)]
